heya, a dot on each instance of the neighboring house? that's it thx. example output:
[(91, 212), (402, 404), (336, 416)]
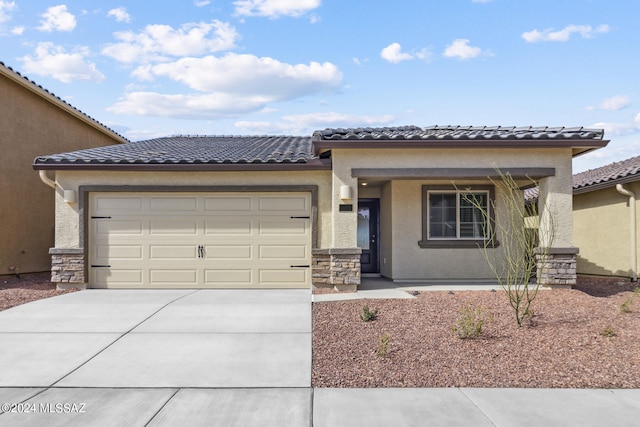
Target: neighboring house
[(34, 122), (283, 211), (605, 225)]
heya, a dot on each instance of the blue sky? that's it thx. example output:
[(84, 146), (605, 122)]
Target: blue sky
[(244, 67)]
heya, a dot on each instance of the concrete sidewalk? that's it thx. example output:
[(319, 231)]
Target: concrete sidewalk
[(294, 407), (229, 358)]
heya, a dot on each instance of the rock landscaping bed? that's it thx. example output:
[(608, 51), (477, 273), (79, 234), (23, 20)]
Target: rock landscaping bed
[(28, 287), (578, 338)]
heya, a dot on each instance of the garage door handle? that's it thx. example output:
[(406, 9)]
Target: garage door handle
[(201, 251), (300, 266), (299, 217), (100, 266)]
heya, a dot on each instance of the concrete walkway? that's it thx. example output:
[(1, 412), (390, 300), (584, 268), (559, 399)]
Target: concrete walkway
[(229, 358)]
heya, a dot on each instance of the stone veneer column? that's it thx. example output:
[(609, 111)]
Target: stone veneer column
[(67, 268), (556, 267), (339, 268)]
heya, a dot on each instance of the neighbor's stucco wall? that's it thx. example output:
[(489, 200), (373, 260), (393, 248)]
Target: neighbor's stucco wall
[(30, 127), (405, 259), (602, 231), (68, 225)]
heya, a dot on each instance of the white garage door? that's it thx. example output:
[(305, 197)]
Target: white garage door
[(200, 240)]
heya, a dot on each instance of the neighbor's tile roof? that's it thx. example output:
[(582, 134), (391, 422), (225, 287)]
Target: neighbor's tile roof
[(193, 150), (608, 173), (458, 133)]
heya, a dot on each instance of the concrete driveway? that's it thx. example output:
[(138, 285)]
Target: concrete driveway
[(130, 357)]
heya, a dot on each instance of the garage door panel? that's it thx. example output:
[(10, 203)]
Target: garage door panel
[(174, 276), (173, 226), (111, 204), (105, 252), (243, 252), (106, 228), (228, 227), (228, 276), (164, 205), (226, 204), (108, 277), (283, 226), (290, 204), (291, 252), (172, 252), (283, 276)]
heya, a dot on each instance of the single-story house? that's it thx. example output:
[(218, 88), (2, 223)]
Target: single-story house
[(287, 211), (33, 122), (605, 220)]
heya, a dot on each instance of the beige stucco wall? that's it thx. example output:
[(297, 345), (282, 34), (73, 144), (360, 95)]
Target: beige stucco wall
[(32, 126), (68, 223), (602, 231), (401, 208)]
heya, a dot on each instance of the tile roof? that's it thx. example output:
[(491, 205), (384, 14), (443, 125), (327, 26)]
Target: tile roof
[(51, 97), (604, 176), (458, 133), (193, 150), (608, 174)]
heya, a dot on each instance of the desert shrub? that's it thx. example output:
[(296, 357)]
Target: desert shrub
[(383, 345), (368, 314), (608, 332), (470, 322)]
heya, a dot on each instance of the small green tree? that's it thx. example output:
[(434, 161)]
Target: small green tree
[(515, 265)]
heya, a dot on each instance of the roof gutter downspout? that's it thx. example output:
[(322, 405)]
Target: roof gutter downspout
[(45, 178), (632, 227)]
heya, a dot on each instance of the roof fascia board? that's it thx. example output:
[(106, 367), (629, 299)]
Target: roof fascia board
[(48, 96), (448, 173), (587, 144), (184, 167)]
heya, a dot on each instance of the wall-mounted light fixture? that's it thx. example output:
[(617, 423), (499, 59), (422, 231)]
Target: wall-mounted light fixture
[(345, 192), (69, 196)]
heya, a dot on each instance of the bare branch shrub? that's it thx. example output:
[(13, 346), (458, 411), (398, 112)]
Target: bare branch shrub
[(515, 265)]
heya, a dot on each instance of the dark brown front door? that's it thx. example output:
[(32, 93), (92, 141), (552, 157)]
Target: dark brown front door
[(368, 231)]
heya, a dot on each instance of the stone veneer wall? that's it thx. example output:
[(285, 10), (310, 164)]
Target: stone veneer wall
[(339, 268), (67, 267), (557, 267)]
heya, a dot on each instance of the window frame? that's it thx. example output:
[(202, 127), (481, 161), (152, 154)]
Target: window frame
[(457, 242)]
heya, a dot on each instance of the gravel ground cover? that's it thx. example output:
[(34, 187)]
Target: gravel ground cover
[(579, 338), (28, 287)]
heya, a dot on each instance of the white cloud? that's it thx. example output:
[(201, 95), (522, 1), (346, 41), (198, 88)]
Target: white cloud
[(393, 53), (189, 106), (619, 128), (202, 3), (275, 8), (615, 103), (6, 8), (460, 49), (563, 35), (17, 31), (56, 18), (228, 85), (159, 42), (249, 74), (52, 61), (306, 123), (120, 13)]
